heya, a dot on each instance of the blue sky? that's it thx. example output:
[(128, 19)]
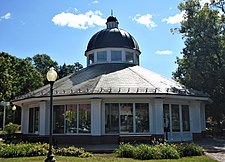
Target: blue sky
[(62, 29)]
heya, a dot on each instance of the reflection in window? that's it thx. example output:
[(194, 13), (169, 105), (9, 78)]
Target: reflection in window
[(71, 118), (137, 59), (142, 117), (102, 56), (166, 117), (116, 56), (90, 59), (58, 119), (126, 117), (185, 118), (175, 118), (33, 120), (112, 118), (129, 57), (84, 118)]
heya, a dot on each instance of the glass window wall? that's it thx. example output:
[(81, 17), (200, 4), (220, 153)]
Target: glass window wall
[(112, 118), (102, 56), (142, 117), (33, 120), (116, 56), (129, 57)]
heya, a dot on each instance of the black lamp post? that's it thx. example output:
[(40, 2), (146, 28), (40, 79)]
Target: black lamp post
[(51, 76)]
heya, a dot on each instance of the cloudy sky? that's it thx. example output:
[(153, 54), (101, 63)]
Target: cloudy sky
[(62, 28)]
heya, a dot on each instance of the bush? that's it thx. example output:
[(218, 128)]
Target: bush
[(146, 152), (189, 150), (125, 150), (11, 128), (86, 155), (70, 151), (168, 151)]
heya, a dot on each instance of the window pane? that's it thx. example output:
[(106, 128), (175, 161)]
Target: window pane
[(31, 120), (129, 57), (175, 118), (58, 119), (166, 117), (137, 59), (116, 56), (126, 118), (185, 117), (112, 118), (142, 117), (36, 119), (102, 56), (90, 59), (71, 118), (84, 118)]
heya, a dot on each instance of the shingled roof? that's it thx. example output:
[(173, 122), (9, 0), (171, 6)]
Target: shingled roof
[(113, 79)]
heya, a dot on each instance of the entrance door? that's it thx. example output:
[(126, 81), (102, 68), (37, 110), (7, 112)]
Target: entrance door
[(176, 122)]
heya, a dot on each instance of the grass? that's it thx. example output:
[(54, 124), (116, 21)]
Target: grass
[(103, 158)]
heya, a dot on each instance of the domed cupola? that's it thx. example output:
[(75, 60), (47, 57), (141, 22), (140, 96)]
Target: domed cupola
[(112, 45)]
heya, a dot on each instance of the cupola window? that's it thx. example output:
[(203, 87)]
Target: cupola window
[(129, 57), (90, 58), (116, 56), (102, 56)]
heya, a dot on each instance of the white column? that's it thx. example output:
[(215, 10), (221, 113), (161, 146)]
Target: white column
[(195, 117), (158, 116), (24, 119), (202, 113), (96, 120), (42, 118)]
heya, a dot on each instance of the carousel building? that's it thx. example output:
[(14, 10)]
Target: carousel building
[(114, 99)]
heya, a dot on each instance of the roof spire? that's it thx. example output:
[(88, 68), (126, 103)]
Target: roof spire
[(111, 12), (112, 22)]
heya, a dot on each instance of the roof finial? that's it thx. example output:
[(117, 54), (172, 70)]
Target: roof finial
[(111, 12)]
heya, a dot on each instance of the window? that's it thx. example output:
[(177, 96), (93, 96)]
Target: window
[(185, 118), (33, 120), (166, 118), (116, 56), (90, 58), (102, 56), (112, 118), (137, 59), (58, 119), (175, 118), (129, 57), (126, 117), (142, 117), (72, 118), (84, 118)]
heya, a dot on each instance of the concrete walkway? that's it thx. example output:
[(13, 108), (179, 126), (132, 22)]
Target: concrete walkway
[(215, 148)]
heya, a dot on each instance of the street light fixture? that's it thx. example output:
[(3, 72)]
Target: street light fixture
[(51, 77)]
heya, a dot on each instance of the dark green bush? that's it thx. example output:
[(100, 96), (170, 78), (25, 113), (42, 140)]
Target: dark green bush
[(125, 150), (168, 151), (70, 151), (11, 128), (146, 152), (191, 149)]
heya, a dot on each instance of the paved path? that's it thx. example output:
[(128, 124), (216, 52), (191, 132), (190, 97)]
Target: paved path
[(214, 148)]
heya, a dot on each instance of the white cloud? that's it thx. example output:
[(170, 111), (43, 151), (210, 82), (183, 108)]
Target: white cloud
[(145, 20), (95, 1), (79, 21), (174, 19), (6, 16), (165, 52)]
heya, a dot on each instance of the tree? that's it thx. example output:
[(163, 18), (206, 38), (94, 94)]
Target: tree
[(78, 66), (65, 70), (202, 66), (17, 77), (219, 4)]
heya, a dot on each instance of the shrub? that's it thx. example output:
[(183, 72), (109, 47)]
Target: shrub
[(146, 152), (189, 150), (70, 151), (11, 128), (86, 155), (125, 150), (168, 151)]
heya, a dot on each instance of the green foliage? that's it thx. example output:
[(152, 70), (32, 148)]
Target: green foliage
[(125, 150), (202, 65), (146, 152), (70, 151), (168, 151), (86, 155), (189, 150), (159, 151), (11, 128)]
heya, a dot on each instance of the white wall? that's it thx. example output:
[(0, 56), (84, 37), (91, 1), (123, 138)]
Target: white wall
[(24, 119), (195, 117), (157, 115), (96, 117)]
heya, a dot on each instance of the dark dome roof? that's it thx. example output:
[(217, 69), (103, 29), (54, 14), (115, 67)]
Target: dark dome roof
[(113, 37)]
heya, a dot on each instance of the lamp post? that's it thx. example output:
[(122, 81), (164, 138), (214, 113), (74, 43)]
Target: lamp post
[(14, 109), (3, 103), (51, 77)]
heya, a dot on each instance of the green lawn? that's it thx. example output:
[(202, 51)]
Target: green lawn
[(103, 158)]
